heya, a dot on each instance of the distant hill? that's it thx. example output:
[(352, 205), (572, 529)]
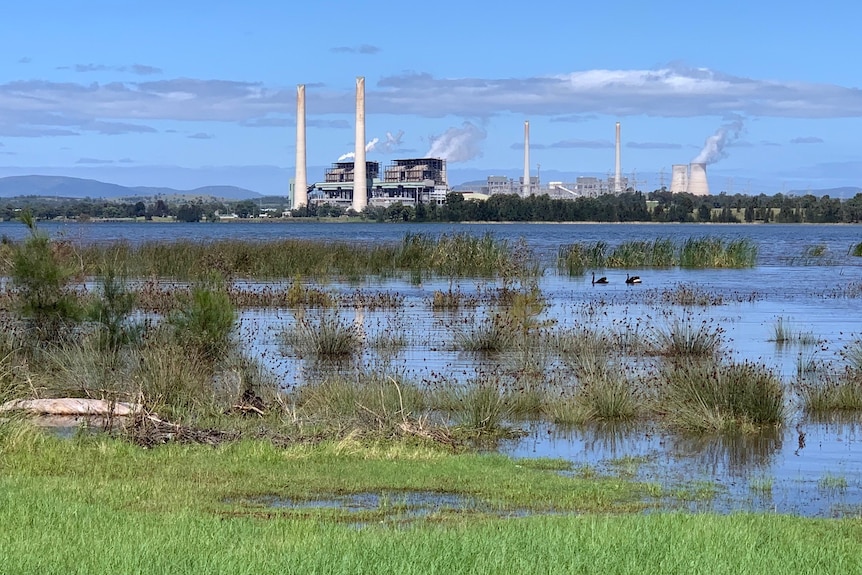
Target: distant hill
[(67, 187)]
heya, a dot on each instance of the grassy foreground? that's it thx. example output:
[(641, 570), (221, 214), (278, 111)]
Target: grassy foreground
[(100, 505)]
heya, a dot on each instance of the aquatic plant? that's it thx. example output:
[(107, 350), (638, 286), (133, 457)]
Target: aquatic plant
[(715, 396), (491, 334), (605, 394), (479, 407), (830, 392), (575, 259), (686, 338), (856, 250), (325, 335), (690, 295), (659, 253), (710, 252)]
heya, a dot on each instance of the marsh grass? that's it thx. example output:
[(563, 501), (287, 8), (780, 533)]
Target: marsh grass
[(709, 396), (761, 484), (324, 335), (829, 393), (453, 300), (852, 354), (710, 252), (379, 400), (856, 250), (830, 482), (576, 259), (659, 253), (494, 333), (171, 381), (690, 295), (687, 338), (784, 333), (603, 394)]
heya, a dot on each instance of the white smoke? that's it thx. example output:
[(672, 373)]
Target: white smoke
[(393, 142), (458, 144), (368, 147), (713, 149)]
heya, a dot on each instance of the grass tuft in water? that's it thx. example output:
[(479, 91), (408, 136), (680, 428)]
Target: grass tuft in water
[(686, 338), (708, 252), (325, 335), (709, 396), (830, 392)]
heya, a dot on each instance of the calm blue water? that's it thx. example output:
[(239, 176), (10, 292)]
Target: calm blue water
[(820, 296)]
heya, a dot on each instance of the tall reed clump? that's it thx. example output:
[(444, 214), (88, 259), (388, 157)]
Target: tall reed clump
[(856, 250), (205, 323), (171, 379), (659, 253), (325, 335), (687, 338), (710, 252), (603, 394), (829, 393), (41, 275), (481, 407), (576, 259), (709, 396)]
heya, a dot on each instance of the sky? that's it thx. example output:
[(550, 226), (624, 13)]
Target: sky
[(187, 93)]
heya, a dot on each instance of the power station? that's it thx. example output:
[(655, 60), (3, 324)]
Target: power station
[(356, 184)]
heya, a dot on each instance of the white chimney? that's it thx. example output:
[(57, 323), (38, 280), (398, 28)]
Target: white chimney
[(300, 181), (525, 189), (360, 186), (697, 184), (618, 174)]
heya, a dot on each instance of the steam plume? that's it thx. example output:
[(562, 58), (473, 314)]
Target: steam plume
[(458, 144), (368, 147), (713, 148)]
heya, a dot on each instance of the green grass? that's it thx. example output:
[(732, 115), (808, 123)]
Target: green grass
[(100, 506), (709, 252), (832, 392)]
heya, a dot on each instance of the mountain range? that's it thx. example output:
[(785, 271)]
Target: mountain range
[(67, 187)]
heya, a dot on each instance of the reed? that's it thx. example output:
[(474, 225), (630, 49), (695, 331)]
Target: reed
[(659, 253), (170, 380), (492, 334), (480, 408), (576, 259), (830, 393), (710, 252), (856, 250), (325, 335), (709, 396), (606, 394), (686, 338), (690, 295)]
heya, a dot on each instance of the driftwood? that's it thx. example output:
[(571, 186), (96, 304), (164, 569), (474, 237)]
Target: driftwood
[(148, 431), (72, 406)]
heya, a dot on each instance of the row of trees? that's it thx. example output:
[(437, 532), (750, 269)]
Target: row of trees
[(658, 206)]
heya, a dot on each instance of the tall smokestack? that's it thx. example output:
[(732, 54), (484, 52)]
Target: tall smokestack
[(525, 189), (697, 184), (300, 181), (679, 178), (360, 186), (618, 175)]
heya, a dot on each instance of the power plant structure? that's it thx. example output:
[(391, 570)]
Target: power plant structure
[(525, 182), (697, 184), (355, 184), (679, 178), (690, 179), (300, 185), (618, 184)]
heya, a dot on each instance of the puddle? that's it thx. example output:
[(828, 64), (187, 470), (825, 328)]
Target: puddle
[(390, 506)]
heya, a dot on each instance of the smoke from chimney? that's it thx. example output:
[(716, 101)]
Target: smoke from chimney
[(713, 148), (368, 147), (458, 144)]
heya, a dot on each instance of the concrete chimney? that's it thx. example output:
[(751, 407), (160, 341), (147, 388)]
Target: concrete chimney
[(697, 184), (679, 178), (300, 181), (618, 172), (525, 189), (360, 185)]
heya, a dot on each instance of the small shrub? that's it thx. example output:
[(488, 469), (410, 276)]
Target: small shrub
[(206, 322)]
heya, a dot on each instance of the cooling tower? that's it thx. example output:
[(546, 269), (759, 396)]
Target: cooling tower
[(618, 182), (679, 178), (360, 185), (525, 189), (300, 181), (697, 184)]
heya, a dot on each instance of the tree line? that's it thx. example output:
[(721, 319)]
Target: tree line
[(657, 206)]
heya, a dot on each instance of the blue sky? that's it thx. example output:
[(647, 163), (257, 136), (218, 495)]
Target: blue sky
[(185, 93)]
